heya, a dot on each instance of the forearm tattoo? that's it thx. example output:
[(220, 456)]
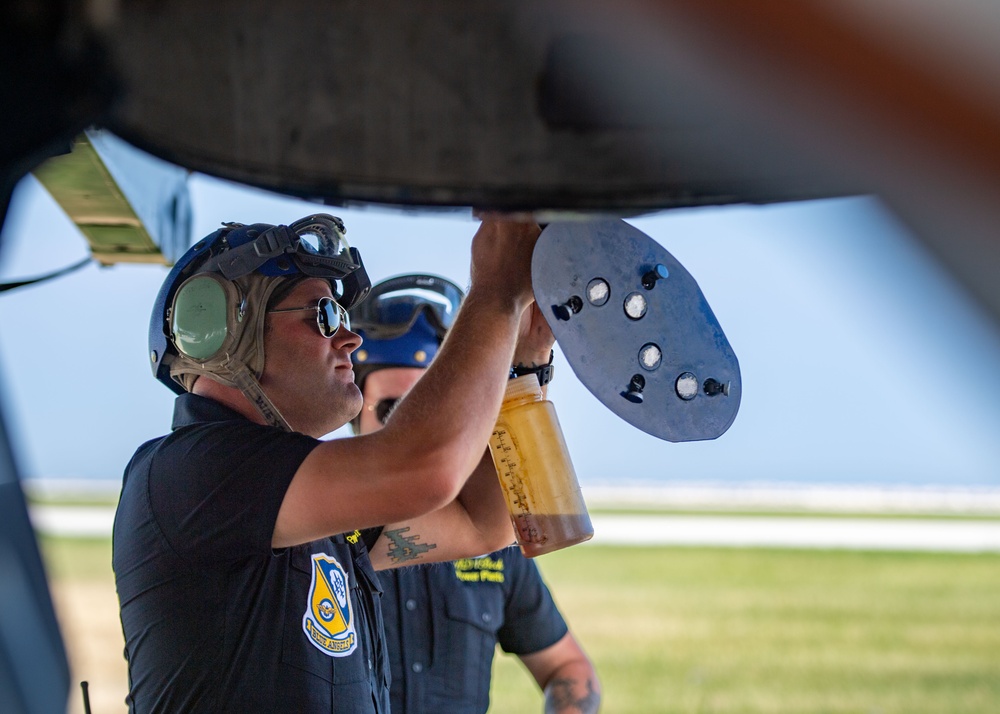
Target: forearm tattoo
[(559, 698), (405, 548)]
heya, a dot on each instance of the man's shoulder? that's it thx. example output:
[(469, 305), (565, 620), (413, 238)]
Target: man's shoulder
[(202, 452), (200, 439)]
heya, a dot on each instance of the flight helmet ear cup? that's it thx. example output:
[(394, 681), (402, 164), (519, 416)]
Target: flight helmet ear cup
[(205, 316)]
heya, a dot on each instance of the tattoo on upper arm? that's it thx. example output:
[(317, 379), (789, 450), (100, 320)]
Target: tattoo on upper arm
[(559, 698), (405, 548)]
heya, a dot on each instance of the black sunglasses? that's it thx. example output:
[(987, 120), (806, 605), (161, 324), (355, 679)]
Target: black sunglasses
[(384, 408), (329, 315)]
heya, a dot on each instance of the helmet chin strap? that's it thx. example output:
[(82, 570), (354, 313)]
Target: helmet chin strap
[(248, 384)]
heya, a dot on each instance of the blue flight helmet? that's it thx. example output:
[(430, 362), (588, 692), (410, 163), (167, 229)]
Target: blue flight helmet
[(403, 322), (208, 318)]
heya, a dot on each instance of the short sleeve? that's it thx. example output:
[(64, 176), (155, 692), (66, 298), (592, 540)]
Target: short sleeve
[(215, 489), (532, 621)]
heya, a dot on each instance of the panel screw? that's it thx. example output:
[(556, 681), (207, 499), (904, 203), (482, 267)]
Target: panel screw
[(713, 387), (568, 308), (633, 392), (659, 272)]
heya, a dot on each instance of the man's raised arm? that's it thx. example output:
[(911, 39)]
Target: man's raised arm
[(420, 461)]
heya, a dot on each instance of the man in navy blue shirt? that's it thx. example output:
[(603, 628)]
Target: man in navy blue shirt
[(244, 545), (444, 620)]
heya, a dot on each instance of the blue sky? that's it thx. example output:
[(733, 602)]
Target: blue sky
[(861, 361)]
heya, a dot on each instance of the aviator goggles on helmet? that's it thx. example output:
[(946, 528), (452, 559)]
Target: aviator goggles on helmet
[(314, 246), (393, 306), (329, 315)]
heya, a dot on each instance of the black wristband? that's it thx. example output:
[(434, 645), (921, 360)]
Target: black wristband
[(543, 372)]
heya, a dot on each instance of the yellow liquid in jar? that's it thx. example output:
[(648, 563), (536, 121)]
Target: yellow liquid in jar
[(539, 482)]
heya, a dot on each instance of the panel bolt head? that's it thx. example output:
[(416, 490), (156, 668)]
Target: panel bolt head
[(713, 387), (659, 272), (568, 308), (633, 392)]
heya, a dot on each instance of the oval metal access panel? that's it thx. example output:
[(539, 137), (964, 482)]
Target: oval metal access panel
[(636, 329)]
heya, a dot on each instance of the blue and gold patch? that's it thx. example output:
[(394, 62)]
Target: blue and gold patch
[(329, 618)]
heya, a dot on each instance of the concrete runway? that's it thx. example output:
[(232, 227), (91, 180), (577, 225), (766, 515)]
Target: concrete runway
[(913, 534), (737, 531)]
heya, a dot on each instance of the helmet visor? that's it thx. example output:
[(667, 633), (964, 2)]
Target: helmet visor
[(394, 305)]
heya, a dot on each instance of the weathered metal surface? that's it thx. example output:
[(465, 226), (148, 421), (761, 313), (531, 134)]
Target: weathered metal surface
[(636, 329)]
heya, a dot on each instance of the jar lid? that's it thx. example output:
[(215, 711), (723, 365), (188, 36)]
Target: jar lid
[(523, 386)]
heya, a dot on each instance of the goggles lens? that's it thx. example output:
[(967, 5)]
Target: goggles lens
[(321, 236), (394, 305), (314, 246), (329, 316)]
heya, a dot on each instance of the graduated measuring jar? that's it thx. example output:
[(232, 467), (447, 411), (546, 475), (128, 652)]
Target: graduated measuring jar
[(544, 498)]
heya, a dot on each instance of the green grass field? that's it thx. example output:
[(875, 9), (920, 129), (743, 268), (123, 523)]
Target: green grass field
[(728, 630), (718, 630)]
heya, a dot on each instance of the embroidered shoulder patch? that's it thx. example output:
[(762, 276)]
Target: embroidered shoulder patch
[(329, 619)]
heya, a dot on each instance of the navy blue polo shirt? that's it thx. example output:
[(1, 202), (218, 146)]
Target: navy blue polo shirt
[(214, 619), (444, 620)]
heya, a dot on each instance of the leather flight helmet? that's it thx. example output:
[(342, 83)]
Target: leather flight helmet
[(208, 318)]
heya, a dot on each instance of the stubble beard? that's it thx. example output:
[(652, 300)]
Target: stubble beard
[(341, 403)]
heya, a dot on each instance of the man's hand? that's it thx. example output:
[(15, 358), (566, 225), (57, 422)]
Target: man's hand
[(534, 339), (501, 258)]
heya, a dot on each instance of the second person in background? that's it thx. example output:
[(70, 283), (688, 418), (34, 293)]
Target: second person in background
[(443, 621)]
